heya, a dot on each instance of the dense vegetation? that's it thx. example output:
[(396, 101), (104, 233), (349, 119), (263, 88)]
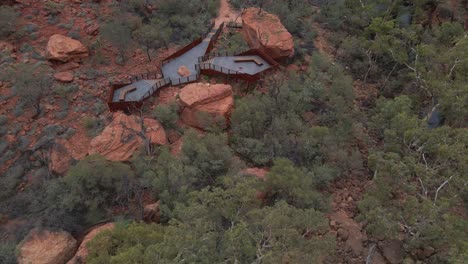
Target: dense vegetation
[(309, 128)]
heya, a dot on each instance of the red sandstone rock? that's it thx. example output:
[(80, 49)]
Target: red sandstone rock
[(64, 49), (206, 104), (64, 77), (176, 147), (356, 239), (82, 252), (151, 212), (46, 247), (64, 151), (203, 93), (183, 71), (264, 31), (92, 29), (121, 138), (203, 116)]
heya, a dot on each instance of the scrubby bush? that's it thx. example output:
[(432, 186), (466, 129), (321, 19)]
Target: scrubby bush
[(8, 18), (167, 114)]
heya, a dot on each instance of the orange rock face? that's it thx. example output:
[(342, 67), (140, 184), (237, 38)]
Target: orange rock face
[(82, 252), (151, 213), (122, 137), (46, 247), (202, 93), (64, 151), (266, 32), (206, 104), (64, 49)]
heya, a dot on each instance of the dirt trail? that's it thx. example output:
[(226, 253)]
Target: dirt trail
[(226, 13)]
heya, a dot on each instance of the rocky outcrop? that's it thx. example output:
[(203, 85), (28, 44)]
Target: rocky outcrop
[(64, 77), (64, 151), (349, 231), (183, 71), (393, 251), (46, 247), (64, 49), (264, 31), (151, 213), (82, 252), (206, 104), (91, 29), (123, 136)]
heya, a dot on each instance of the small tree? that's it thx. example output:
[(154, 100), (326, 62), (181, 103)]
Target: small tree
[(167, 114), (119, 35), (30, 82), (8, 18), (148, 37)]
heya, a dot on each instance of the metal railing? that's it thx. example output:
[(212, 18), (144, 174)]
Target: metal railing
[(190, 45), (182, 80), (146, 76), (158, 85), (210, 66), (213, 54)]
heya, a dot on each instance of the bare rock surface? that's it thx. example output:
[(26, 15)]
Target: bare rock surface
[(206, 104), (64, 49), (63, 151), (82, 252), (92, 29), (46, 247), (351, 232), (123, 136), (202, 93), (265, 31), (151, 212), (393, 251)]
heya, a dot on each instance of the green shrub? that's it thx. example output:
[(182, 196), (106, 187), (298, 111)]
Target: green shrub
[(8, 18), (3, 120), (167, 114), (7, 253)]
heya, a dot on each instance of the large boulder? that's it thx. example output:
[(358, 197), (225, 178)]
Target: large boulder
[(393, 251), (354, 237), (123, 136), (151, 213), (206, 104), (265, 31), (64, 49), (202, 93), (64, 151), (82, 252), (46, 247)]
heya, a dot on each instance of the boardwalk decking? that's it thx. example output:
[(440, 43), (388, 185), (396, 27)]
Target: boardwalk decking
[(248, 67), (242, 66)]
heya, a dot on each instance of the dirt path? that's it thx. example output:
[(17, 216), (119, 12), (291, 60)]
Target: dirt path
[(226, 13)]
